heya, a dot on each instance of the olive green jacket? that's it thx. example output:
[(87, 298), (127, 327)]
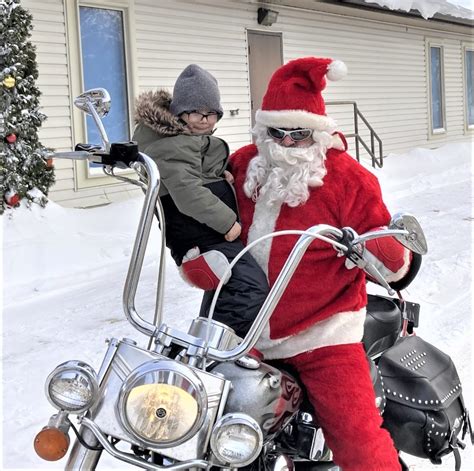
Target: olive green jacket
[(186, 162)]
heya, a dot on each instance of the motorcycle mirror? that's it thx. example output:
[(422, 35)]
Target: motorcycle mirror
[(415, 239), (98, 98)]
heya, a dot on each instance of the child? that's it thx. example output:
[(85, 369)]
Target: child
[(202, 228)]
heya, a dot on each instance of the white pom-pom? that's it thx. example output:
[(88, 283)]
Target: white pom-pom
[(337, 70)]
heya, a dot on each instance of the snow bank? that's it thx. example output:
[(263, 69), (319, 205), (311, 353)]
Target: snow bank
[(44, 245), (64, 271)]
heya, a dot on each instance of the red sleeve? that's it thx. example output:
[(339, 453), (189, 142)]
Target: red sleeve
[(364, 211), (362, 206)]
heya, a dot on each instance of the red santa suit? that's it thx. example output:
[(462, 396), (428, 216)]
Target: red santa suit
[(318, 324)]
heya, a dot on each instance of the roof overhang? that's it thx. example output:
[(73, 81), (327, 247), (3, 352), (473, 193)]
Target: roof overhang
[(412, 13), (373, 11)]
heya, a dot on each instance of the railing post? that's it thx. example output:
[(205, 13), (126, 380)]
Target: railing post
[(376, 160), (381, 154), (372, 147), (356, 131)]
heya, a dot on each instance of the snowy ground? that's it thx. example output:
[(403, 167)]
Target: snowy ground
[(64, 270)]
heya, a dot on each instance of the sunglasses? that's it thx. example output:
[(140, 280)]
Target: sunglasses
[(296, 135)]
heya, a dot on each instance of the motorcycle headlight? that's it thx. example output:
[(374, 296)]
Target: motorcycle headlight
[(72, 387), (236, 440), (162, 403)]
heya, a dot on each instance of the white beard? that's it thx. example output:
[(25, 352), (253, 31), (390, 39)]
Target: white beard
[(285, 174)]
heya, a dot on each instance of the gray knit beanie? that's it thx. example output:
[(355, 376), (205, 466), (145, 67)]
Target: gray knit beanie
[(195, 89)]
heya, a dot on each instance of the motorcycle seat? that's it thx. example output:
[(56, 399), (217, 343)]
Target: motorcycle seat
[(382, 325)]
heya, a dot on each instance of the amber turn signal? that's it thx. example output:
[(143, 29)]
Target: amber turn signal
[(51, 444)]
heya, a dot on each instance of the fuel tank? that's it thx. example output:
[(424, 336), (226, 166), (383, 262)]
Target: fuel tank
[(268, 395)]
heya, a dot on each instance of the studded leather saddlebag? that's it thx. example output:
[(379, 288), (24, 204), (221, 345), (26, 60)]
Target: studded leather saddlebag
[(424, 410)]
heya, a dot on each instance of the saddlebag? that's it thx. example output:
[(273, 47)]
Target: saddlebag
[(424, 410)]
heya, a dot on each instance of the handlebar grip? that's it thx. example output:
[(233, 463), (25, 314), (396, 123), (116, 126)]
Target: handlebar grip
[(126, 152), (88, 147)]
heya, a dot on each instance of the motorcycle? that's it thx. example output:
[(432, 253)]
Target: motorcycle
[(205, 399)]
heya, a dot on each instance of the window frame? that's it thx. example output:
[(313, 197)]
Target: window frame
[(85, 176), (434, 133), (468, 128)]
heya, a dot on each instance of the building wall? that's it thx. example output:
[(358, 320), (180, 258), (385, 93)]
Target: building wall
[(387, 64)]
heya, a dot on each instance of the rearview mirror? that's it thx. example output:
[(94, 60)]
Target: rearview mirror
[(98, 98), (415, 239)]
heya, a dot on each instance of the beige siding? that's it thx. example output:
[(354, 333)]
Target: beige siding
[(172, 34), (387, 70), (387, 74), (49, 36)]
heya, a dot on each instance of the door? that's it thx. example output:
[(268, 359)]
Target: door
[(265, 54)]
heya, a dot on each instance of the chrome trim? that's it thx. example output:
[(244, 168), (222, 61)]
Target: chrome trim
[(81, 458), (237, 418), (139, 249), (79, 368), (157, 317), (97, 103), (221, 336), (132, 459), (105, 416), (414, 239), (168, 372)]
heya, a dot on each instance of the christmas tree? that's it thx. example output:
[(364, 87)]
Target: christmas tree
[(26, 173)]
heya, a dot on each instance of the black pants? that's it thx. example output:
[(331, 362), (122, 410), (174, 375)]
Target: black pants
[(243, 295)]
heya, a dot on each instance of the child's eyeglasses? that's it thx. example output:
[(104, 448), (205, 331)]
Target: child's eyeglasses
[(296, 135), (197, 116)]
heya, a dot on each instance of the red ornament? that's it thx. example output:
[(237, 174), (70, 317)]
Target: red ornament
[(11, 138), (12, 198), (49, 163)]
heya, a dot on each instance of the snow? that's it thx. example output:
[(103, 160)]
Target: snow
[(428, 8), (64, 271)]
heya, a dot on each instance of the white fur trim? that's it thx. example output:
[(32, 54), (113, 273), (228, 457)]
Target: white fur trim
[(337, 70), (337, 143), (388, 274), (339, 329), (295, 119), (264, 221)]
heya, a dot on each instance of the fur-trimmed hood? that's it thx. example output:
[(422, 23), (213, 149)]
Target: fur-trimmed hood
[(153, 110)]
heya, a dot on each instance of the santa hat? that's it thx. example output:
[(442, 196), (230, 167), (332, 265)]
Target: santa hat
[(293, 98)]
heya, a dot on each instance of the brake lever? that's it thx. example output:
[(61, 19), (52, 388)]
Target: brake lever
[(355, 254)]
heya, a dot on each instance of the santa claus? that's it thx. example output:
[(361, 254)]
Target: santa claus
[(298, 175)]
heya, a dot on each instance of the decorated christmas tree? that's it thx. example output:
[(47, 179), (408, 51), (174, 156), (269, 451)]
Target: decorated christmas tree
[(26, 173)]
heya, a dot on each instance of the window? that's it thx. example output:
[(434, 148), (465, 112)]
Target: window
[(468, 84), (437, 89), (103, 65), (100, 54)]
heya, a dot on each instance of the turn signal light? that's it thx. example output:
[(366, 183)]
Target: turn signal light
[(51, 444)]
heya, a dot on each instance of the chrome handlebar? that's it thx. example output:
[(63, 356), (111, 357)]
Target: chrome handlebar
[(141, 239), (276, 291), (324, 232)]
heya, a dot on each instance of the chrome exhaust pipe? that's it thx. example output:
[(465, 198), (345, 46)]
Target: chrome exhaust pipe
[(282, 463)]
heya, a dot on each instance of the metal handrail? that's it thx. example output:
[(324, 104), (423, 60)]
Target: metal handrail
[(376, 161)]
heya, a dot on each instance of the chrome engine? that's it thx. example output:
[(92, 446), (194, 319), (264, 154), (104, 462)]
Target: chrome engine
[(272, 397)]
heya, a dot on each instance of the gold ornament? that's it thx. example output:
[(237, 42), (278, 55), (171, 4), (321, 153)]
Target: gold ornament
[(9, 81)]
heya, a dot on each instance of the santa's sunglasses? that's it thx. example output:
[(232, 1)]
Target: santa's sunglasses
[(296, 135)]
